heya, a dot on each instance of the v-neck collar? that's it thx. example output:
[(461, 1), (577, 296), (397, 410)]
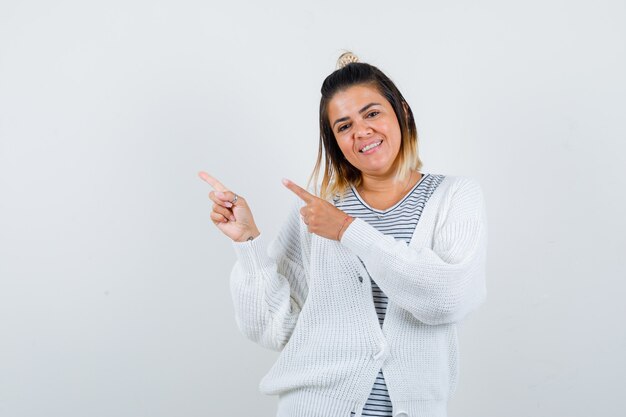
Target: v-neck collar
[(362, 201)]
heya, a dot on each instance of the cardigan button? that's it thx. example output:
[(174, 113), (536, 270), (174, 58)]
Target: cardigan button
[(360, 278), (402, 414)]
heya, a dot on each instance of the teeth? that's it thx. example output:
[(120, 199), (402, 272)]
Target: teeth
[(371, 146)]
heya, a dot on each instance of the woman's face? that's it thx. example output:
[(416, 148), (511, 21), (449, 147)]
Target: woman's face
[(366, 129)]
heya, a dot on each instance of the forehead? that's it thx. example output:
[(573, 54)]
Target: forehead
[(352, 99)]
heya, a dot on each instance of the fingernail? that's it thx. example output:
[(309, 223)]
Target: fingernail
[(228, 204), (285, 181), (232, 218), (219, 194)]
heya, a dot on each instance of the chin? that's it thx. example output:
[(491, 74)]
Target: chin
[(375, 170)]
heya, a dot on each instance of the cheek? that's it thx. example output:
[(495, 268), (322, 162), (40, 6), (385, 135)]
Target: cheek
[(397, 136), (344, 146)]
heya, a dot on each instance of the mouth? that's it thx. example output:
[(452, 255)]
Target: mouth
[(370, 146)]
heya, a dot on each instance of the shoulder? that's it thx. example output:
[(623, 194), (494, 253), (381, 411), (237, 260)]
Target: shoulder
[(461, 193), (455, 184)]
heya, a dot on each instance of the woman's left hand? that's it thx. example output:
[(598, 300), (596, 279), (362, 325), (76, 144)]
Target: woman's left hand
[(321, 217)]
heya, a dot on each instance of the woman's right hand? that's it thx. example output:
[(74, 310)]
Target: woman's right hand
[(235, 221)]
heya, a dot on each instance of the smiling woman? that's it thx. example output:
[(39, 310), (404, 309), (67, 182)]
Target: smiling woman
[(360, 107), (369, 137), (363, 286)]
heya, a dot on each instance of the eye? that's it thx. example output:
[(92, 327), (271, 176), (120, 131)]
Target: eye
[(373, 113), (343, 127)]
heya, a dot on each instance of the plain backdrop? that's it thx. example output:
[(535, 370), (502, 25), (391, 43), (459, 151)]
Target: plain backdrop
[(114, 283)]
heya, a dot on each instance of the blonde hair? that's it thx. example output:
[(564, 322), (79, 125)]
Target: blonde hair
[(345, 59), (338, 173)]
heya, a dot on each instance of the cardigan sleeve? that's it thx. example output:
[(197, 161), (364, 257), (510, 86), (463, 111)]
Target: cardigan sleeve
[(269, 286), (438, 285)]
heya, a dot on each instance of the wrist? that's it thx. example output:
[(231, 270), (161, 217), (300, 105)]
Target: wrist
[(346, 222), (248, 236)]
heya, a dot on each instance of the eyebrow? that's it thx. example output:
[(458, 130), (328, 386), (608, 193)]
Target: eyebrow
[(343, 119)]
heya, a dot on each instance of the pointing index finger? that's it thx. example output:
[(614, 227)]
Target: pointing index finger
[(299, 191), (218, 186)]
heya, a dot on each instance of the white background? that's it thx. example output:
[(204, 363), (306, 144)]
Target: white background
[(114, 294)]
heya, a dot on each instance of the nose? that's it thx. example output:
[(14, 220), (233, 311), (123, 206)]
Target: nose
[(362, 129)]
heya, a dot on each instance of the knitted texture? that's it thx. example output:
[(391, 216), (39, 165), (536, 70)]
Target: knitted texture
[(311, 299)]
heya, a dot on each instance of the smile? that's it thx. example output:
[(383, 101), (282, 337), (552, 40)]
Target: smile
[(370, 146)]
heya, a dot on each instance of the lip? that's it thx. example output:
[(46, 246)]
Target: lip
[(369, 143)]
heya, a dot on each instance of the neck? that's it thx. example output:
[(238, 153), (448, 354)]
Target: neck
[(384, 184)]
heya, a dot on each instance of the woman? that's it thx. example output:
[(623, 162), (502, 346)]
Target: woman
[(362, 287)]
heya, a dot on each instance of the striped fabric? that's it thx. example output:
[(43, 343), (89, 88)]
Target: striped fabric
[(398, 221)]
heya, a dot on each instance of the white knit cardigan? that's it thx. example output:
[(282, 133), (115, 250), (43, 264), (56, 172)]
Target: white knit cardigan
[(311, 299)]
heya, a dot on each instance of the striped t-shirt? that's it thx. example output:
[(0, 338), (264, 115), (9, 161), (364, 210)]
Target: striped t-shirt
[(398, 221)]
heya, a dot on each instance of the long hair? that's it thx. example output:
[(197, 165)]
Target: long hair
[(339, 174)]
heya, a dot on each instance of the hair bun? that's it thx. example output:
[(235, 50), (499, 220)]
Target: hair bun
[(346, 58)]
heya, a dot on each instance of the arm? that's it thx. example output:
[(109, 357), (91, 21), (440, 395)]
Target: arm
[(438, 285), (268, 285)]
